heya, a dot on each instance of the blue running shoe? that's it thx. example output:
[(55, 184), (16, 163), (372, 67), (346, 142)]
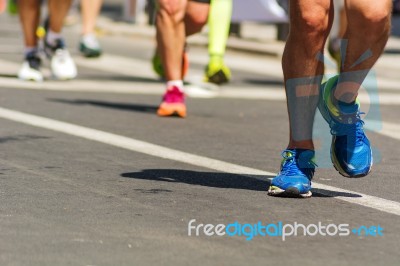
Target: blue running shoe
[(351, 152), (294, 178)]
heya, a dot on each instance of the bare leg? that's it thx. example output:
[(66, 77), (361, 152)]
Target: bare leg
[(368, 29), (58, 10), (343, 22), (90, 11), (29, 13), (171, 36), (310, 21)]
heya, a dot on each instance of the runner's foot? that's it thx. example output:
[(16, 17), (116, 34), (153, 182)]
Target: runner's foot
[(351, 152), (30, 69), (173, 103), (89, 46), (294, 178)]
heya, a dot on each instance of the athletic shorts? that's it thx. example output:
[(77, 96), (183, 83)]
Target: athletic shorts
[(202, 1)]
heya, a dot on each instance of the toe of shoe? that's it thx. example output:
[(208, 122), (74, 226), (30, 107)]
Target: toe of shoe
[(301, 184)]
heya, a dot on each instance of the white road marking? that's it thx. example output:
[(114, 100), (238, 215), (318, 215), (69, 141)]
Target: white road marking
[(140, 68), (272, 93), (353, 197), (79, 85)]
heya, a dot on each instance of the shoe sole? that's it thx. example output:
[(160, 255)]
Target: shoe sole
[(178, 110), (89, 53), (31, 79), (55, 77), (288, 193), (32, 75)]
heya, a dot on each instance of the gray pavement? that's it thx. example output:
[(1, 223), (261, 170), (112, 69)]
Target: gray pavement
[(67, 200)]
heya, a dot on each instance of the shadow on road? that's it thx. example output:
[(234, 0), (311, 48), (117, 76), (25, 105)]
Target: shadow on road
[(5, 139), (14, 76), (264, 82), (120, 106), (323, 193), (221, 180), (111, 78), (392, 51), (208, 179)]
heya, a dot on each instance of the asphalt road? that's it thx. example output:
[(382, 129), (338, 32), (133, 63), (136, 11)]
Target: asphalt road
[(73, 196)]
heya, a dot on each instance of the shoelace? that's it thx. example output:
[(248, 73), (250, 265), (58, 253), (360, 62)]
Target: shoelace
[(354, 129), (290, 166)]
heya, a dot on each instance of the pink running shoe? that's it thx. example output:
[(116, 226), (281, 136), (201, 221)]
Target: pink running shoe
[(173, 103)]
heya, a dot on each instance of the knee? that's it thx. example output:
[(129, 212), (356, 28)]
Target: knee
[(376, 14), (171, 10), (314, 23), (311, 24), (373, 20)]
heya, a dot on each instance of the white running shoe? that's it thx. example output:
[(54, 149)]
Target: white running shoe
[(30, 70), (62, 65)]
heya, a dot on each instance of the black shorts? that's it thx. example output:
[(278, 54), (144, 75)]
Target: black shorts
[(202, 1)]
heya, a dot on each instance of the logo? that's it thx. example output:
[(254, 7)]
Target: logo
[(280, 230)]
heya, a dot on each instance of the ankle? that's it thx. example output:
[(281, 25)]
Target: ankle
[(52, 37), (301, 145), (30, 50)]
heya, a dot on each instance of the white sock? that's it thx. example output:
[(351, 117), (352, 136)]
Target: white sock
[(52, 37), (30, 49), (175, 83)]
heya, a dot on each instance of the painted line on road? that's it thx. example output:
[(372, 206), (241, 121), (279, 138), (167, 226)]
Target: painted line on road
[(195, 91), (81, 85), (137, 68), (143, 147)]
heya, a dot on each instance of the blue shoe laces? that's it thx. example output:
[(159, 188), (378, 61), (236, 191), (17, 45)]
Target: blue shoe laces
[(292, 166), (353, 130)]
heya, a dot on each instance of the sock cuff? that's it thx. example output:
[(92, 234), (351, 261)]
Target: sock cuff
[(175, 83), (30, 49), (52, 36)]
